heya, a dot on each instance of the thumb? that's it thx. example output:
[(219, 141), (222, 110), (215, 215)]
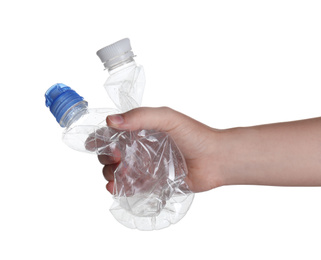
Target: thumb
[(162, 119)]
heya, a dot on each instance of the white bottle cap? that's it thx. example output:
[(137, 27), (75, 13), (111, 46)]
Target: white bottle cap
[(115, 53)]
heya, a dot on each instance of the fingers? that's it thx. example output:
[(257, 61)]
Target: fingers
[(108, 171), (162, 119), (106, 159), (110, 164), (110, 187), (110, 158)]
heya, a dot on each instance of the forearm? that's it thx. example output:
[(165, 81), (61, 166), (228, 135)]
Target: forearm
[(285, 154)]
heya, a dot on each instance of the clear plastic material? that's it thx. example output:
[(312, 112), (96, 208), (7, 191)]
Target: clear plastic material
[(125, 86), (149, 188)]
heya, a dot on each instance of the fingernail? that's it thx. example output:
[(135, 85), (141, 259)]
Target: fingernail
[(116, 119)]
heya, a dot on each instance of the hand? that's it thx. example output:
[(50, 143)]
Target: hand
[(196, 141), (281, 154)]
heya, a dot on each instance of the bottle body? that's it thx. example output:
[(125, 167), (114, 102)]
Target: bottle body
[(83, 123), (149, 188), (125, 86)]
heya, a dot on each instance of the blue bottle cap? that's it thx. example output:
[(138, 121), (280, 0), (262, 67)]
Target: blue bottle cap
[(60, 98)]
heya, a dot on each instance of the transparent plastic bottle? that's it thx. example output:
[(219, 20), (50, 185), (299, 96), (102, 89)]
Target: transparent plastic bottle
[(149, 188)]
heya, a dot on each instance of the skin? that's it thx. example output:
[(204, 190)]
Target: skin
[(281, 154)]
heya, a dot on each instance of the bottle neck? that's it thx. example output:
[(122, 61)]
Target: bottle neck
[(121, 65), (74, 113)]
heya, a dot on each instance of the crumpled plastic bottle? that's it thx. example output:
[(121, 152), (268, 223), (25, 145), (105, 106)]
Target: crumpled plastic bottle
[(149, 188)]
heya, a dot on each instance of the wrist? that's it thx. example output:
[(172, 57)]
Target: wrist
[(239, 156)]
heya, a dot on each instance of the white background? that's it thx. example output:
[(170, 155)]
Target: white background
[(225, 63)]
